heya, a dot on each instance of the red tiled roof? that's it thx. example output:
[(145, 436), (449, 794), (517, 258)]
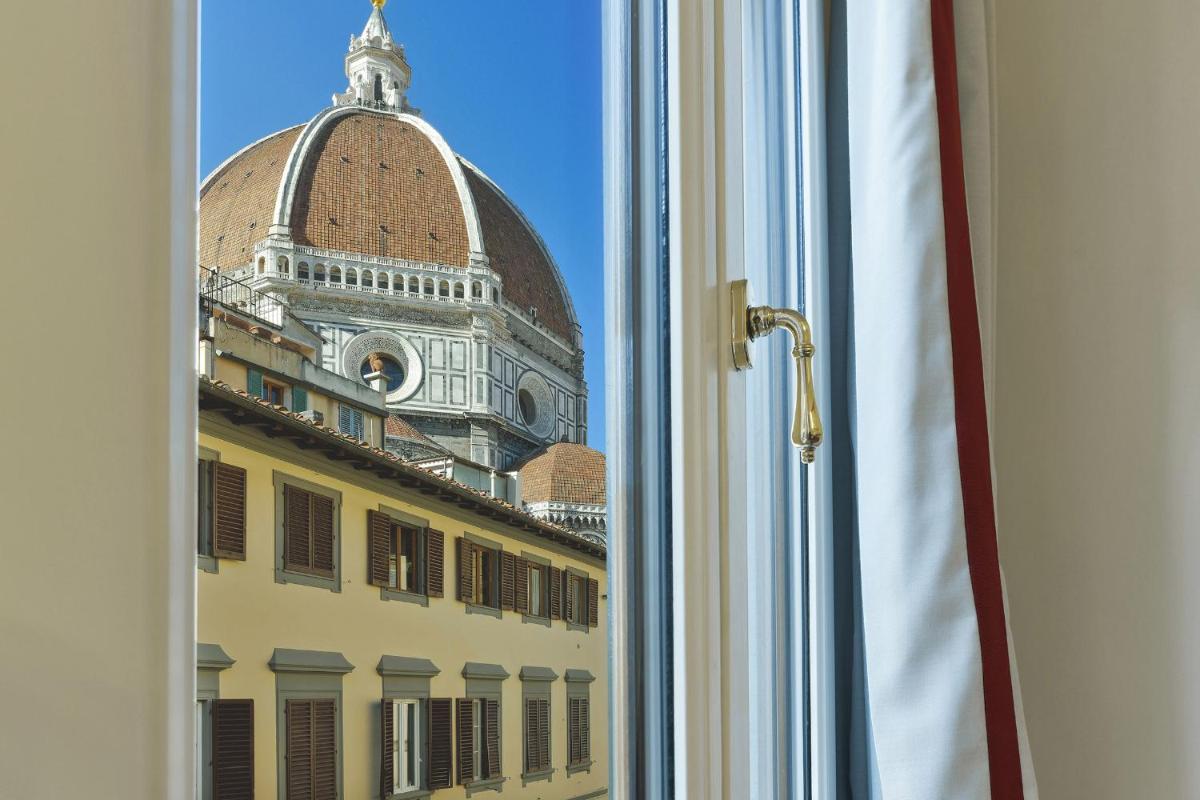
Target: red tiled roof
[(396, 425), (564, 473)]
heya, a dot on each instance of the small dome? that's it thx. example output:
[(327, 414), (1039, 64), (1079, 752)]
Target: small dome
[(378, 184), (564, 473)]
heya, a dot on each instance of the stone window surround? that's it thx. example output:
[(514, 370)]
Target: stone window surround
[(407, 518), (282, 575), (531, 618), (575, 626), (487, 611), (483, 681), (407, 678), (536, 684), (305, 675), (578, 683)]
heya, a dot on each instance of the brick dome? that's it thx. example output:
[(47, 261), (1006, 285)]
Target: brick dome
[(565, 472), (378, 184)]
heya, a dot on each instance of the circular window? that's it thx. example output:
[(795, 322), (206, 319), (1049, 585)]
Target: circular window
[(528, 406), (390, 367)]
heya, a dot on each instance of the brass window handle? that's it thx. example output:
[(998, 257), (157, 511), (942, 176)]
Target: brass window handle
[(752, 322)]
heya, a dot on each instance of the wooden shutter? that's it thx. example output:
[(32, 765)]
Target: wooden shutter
[(465, 720), (568, 597), (322, 534), (324, 749), (585, 732), (229, 511), (379, 547), (491, 730), (521, 586), (299, 399), (555, 590), (573, 731), (233, 749), (544, 733), (593, 601), (435, 563), (387, 759), (466, 576), (441, 748), (297, 533), (532, 731), (254, 385), (508, 566), (299, 757)]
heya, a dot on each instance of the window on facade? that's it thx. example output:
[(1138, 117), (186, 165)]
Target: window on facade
[(204, 507), (527, 406), (319, 273), (350, 420), (335, 275), (579, 739), (308, 532), (538, 599), (404, 557), (273, 392), (578, 604), (302, 271), (478, 739), (479, 574), (458, 291), (351, 278), (310, 728), (392, 371), (537, 735), (407, 753), (367, 279)]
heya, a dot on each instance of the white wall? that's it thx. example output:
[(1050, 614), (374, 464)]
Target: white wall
[(93, 646), (1098, 388)]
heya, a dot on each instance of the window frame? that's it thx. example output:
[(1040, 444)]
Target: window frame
[(269, 385), (578, 687), (485, 682), (359, 421), (206, 458), (573, 578), (307, 675), (332, 583), (495, 555), (399, 754), (402, 519), (537, 685)]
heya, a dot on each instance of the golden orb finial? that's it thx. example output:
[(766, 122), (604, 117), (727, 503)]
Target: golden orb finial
[(379, 3)]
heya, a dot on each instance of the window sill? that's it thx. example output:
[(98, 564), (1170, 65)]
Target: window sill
[(530, 619), (415, 794), (582, 766), (403, 596), (487, 611), (304, 579), (575, 626), (207, 563), (533, 777), (485, 785)]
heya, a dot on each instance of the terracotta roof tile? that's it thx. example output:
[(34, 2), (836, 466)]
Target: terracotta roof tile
[(515, 253), (564, 473), (396, 425), (236, 203), (377, 185)]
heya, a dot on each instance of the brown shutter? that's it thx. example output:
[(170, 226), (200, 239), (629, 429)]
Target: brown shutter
[(441, 748), (435, 562), (465, 739), (492, 737), (229, 511), (593, 601), (322, 534), (325, 749), (233, 749), (521, 586), (555, 591), (531, 736), (297, 521), (568, 597), (299, 757), (466, 577), (508, 565), (573, 731), (379, 548), (544, 733), (387, 765), (585, 733)]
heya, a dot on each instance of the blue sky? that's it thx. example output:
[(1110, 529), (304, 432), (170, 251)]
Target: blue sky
[(513, 85)]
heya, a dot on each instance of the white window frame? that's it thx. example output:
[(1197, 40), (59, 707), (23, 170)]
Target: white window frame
[(478, 731), (536, 591), (402, 740)]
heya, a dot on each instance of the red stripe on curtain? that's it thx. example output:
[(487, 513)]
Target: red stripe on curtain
[(970, 412)]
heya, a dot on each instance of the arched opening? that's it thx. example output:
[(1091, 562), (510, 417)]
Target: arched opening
[(476, 291), (262, 264), (351, 277), (444, 289), (429, 286), (319, 273), (392, 371), (382, 281), (282, 264), (495, 295), (367, 279), (302, 271), (335, 275), (378, 88), (459, 292), (414, 285)]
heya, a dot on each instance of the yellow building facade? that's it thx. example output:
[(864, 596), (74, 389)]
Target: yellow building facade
[(378, 669)]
